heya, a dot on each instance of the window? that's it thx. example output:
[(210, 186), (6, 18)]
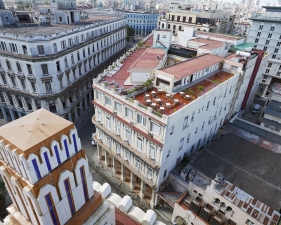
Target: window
[(60, 18), (192, 118), (185, 122), (108, 142), (267, 42), (13, 47), (69, 196), (128, 135), (107, 100), (129, 113), (149, 173), (276, 50), (127, 155), (65, 63), (141, 119), (8, 65), (138, 165), (47, 161), (203, 125), (155, 128), (278, 74), (23, 84), (70, 42), (29, 70), (108, 122), (181, 144), (118, 107), (214, 102), (187, 139), (33, 86), (48, 86), (84, 183), (139, 144), (52, 209), (269, 65), (44, 68), (279, 43), (267, 71), (261, 27), (208, 104), (18, 67), (13, 81), (256, 40), (272, 28), (165, 173), (152, 152), (63, 45), (172, 130), (117, 148), (259, 34), (36, 168), (273, 56), (269, 35), (3, 79), (40, 49), (24, 49), (55, 47), (72, 59), (99, 96), (58, 66), (168, 154), (196, 130)]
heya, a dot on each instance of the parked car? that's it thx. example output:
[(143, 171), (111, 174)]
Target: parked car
[(256, 109)]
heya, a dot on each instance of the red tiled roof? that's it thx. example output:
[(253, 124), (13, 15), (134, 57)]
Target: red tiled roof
[(209, 44), (122, 75), (189, 67), (149, 59)]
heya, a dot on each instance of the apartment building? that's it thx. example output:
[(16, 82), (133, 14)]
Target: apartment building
[(215, 192), (50, 63), (264, 33), (148, 116), (271, 117), (210, 21), (143, 22)]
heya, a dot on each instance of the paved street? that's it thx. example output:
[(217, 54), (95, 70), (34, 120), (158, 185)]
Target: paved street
[(100, 174)]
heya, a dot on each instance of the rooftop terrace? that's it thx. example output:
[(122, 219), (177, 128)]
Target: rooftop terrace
[(55, 30), (167, 104)]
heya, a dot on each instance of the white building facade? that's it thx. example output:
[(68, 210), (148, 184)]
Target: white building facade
[(52, 66), (142, 141)]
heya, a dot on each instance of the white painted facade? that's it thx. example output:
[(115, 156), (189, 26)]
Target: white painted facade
[(150, 145), (264, 33), (37, 71)]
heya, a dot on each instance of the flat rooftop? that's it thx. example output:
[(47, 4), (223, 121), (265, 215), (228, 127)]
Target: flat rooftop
[(186, 68), (53, 28), (249, 167), (273, 108), (208, 43), (167, 104), (226, 37), (123, 74)]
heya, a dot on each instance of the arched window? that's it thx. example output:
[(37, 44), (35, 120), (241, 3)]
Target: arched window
[(162, 25), (179, 27), (174, 27), (169, 26)]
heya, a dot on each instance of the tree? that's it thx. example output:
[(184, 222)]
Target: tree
[(189, 91), (130, 32)]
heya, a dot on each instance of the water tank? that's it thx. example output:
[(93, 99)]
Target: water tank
[(246, 54)]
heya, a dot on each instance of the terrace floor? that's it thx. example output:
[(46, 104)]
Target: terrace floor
[(165, 103), (122, 75)]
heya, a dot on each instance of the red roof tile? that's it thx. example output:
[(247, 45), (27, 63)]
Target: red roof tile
[(189, 67)]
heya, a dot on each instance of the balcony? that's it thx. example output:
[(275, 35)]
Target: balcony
[(125, 163), (118, 139)]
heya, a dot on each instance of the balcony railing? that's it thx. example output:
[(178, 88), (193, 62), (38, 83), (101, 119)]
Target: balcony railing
[(150, 162), (125, 163)]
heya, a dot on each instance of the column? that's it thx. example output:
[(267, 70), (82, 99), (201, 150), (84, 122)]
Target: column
[(69, 116), (142, 191), (106, 158), (81, 106), (123, 173), (133, 179), (114, 166), (98, 148), (75, 112), (4, 114), (153, 198), (12, 114)]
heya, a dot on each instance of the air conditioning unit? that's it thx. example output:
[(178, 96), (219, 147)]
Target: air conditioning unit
[(153, 158), (126, 159), (115, 112), (98, 121), (132, 123), (150, 133)]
